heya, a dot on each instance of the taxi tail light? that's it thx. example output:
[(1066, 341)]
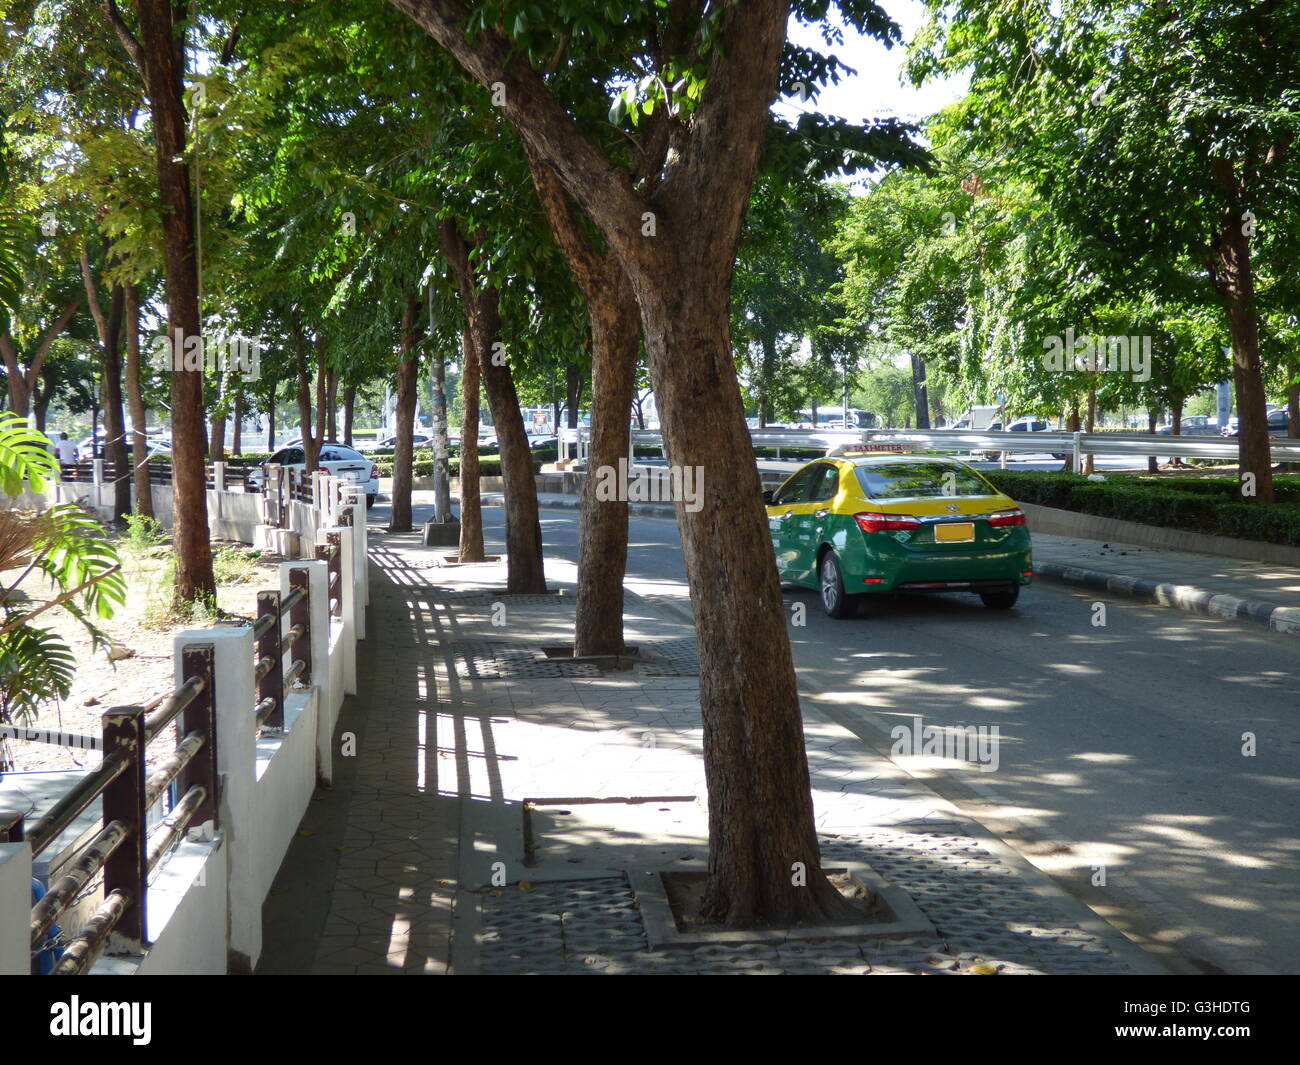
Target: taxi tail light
[(886, 522), (374, 473), (1008, 517)]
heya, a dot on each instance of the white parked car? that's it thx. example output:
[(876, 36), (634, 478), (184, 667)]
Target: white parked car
[(344, 462)]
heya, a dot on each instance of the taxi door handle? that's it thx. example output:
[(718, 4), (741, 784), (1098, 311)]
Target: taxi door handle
[(787, 515), (821, 513)]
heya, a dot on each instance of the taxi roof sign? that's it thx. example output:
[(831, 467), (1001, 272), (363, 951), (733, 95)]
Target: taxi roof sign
[(850, 450)]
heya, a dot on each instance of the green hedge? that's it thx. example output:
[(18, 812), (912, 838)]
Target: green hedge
[(1190, 504)]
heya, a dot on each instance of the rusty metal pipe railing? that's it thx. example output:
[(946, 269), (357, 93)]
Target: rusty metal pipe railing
[(88, 946), (173, 706), (65, 889), (172, 767), (83, 793), (172, 827), (295, 671)]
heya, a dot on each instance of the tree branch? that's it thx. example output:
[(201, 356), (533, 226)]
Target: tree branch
[(124, 35)]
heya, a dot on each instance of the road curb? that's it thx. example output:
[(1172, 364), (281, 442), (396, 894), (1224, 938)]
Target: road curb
[(1185, 597)]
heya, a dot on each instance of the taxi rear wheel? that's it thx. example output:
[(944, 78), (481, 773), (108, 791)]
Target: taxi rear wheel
[(1002, 599), (831, 584)]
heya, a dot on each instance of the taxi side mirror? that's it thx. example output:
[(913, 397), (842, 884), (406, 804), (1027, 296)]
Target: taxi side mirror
[(767, 498)]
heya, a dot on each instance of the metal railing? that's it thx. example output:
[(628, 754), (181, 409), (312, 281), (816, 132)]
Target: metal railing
[(1076, 444), (123, 850), (272, 643)]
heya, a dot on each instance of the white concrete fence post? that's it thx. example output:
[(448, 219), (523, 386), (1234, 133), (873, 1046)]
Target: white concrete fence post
[(347, 601), (219, 476), (318, 585), (15, 908), (236, 725)]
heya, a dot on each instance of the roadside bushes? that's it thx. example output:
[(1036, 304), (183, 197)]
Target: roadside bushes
[(1190, 504)]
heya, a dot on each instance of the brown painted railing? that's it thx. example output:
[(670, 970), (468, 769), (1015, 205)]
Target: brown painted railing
[(272, 643), (123, 849)]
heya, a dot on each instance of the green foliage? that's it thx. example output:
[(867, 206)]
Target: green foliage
[(63, 544), (1205, 506), (143, 532)]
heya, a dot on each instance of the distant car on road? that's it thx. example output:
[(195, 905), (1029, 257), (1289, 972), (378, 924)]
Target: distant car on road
[(1277, 425), (858, 525), (344, 462)]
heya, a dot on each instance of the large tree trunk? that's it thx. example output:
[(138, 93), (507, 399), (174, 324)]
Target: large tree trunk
[(1234, 277), (349, 408), (108, 327), (135, 403), (1153, 461), (408, 369), (677, 244), (471, 508), (438, 421), (760, 806), (237, 418), (615, 332), (602, 538), (162, 58), (1293, 411), (311, 440), (1090, 425), (332, 405), (217, 442), (524, 571), (270, 418), (920, 394)]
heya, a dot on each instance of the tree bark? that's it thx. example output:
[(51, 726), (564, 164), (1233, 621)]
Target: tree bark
[(349, 408), (217, 441), (438, 422), (332, 405), (237, 418), (1090, 425), (676, 241), (1293, 411), (109, 329), (408, 369), (1234, 278), (162, 56), (524, 570), (135, 403), (920, 394), (615, 333), (471, 512), (21, 380)]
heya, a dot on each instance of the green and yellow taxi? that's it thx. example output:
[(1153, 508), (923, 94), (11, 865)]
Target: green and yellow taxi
[(869, 523)]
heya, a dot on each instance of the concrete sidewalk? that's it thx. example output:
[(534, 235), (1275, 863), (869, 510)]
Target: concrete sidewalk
[(502, 809)]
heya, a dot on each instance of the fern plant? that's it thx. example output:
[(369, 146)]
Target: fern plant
[(82, 571)]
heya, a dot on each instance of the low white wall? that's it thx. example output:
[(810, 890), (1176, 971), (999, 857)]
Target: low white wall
[(205, 905), (188, 903), (285, 780), (15, 908)]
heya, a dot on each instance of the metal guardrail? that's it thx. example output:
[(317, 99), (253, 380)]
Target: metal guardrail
[(1120, 442)]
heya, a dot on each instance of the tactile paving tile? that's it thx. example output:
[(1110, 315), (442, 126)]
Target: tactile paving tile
[(668, 658), (488, 658), (984, 913)]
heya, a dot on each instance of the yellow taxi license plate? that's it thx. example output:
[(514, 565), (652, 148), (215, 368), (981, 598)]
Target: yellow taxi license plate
[(955, 532)]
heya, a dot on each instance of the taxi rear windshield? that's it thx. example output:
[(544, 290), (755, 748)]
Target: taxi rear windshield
[(912, 480)]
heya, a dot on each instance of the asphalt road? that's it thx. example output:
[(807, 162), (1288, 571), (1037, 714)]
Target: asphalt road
[(1121, 749)]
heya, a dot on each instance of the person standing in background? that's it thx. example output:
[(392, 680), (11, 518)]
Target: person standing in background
[(65, 451)]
